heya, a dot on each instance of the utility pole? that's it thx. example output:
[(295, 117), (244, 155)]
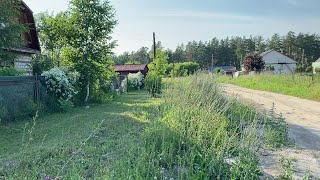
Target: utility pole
[(303, 57), (212, 60), (154, 46)]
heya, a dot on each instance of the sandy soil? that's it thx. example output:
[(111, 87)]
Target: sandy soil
[(303, 118)]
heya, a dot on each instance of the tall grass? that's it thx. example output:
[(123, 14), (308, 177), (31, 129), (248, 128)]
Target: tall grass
[(199, 134), (298, 85)]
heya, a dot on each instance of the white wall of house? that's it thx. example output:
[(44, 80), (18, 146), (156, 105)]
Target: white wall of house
[(283, 68), (23, 62), (281, 63)]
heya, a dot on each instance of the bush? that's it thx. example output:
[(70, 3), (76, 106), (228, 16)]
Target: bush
[(218, 71), (41, 63), (60, 86), (309, 69), (317, 69), (182, 69), (135, 81), (124, 86), (11, 71), (153, 83)]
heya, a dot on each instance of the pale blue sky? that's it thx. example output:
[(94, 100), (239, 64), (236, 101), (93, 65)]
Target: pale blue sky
[(179, 21)]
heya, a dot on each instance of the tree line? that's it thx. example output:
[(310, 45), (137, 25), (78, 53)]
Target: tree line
[(302, 47)]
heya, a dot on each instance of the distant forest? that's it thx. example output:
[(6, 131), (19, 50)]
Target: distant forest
[(302, 47)]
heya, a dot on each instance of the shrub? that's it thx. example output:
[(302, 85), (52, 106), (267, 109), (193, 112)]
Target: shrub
[(317, 69), (182, 69), (309, 69), (124, 86), (300, 68), (218, 71), (153, 83), (135, 81), (11, 71), (60, 86), (41, 63)]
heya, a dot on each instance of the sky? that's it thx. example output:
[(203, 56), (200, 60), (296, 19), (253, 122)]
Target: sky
[(180, 21)]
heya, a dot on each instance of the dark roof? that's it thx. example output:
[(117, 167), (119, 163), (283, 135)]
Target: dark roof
[(225, 68), (130, 67), (31, 37)]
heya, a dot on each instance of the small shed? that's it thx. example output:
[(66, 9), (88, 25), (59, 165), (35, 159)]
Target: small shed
[(229, 70), (280, 63), (125, 69), (315, 65)]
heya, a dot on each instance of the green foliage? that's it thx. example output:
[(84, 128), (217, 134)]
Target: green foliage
[(124, 86), (299, 85), (41, 63), (287, 168), (11, 71), (254, 62), (219, 71), (81, 39), (153, 83), (276, 131), (160, 64), (60, 84), (300, 68), (309, 69), (317, 69), (182, 69), (10, 30), (136, 81), (65, 105)]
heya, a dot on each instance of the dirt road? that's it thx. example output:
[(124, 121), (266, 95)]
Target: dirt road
[(303, 118)]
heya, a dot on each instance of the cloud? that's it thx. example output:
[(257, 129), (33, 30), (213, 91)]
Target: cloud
[(207, 15)]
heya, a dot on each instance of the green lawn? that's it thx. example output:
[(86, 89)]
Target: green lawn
[(55, 145), (299, 85)]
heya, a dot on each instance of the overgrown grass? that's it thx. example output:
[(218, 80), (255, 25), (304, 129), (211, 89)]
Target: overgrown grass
[(198, 133), (191, 132), (299, 85)]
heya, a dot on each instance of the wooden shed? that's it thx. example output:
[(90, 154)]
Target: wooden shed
[(125, 69)]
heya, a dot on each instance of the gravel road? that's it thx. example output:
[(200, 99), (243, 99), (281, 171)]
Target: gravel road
[(303, 118)]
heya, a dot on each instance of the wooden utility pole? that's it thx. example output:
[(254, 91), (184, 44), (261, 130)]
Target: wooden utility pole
[(212, 60), (154, 46)]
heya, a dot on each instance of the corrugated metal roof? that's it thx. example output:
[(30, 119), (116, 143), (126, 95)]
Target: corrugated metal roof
[(130, 67), (225, 68), (267, 52)]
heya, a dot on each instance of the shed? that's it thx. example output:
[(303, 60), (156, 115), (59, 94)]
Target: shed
[(125, 69), (281, 63), (228, 69), (315, 65)]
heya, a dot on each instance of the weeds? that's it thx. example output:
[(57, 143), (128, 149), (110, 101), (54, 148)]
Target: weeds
[(197, 130), (287, 168)]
